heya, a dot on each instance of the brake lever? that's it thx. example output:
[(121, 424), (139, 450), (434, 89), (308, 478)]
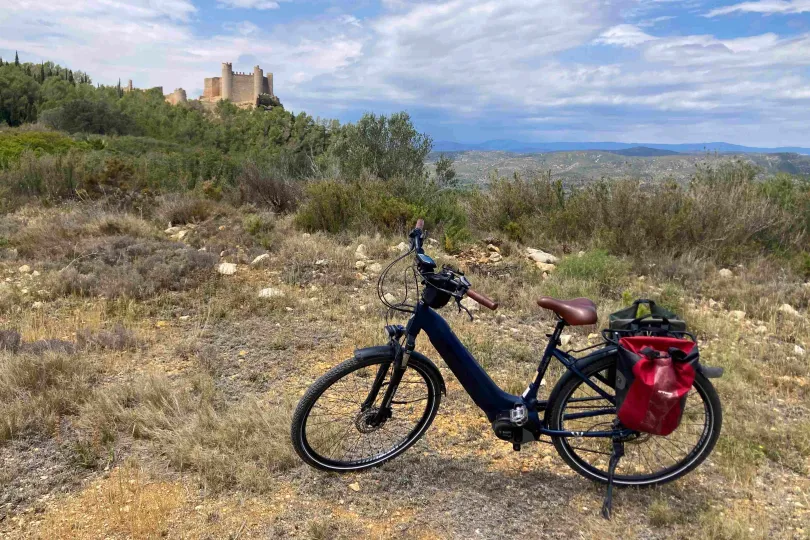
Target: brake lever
[(460, 307)]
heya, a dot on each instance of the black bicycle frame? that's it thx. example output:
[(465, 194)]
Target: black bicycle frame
[(486, 394)]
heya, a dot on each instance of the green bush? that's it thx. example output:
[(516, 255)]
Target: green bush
[(376, 205), (595, 273), (14, 143), (89, 116), (723, 214)]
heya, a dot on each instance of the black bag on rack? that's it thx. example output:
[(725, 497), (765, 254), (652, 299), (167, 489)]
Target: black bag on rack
[(658, 321)]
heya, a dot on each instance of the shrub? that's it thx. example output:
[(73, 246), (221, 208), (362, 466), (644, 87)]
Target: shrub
[(595, 272), (375, 205), (263, 188), (631, 218), (13, 144), (125, 266), (88, 116), (183, 209), (329, 206)]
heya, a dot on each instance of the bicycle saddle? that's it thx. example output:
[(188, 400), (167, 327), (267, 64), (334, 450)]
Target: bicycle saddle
[(576, 312)]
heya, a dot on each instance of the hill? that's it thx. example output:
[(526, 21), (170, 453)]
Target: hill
[(506, 145), (643, 151), (586, 166)]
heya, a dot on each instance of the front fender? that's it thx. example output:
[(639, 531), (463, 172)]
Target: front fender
[(391, 351)]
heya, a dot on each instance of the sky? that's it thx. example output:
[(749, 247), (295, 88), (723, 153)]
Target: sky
[(659, 71)]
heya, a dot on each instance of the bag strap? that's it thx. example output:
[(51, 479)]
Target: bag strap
[(664, 327)]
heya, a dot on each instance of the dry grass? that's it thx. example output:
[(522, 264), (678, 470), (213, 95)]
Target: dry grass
[(198, 384), (37, 390)]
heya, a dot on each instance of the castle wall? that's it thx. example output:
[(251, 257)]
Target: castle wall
[(177, 97), (212, 88), (242, 88)]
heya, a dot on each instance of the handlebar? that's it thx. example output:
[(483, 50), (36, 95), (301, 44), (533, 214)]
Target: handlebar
[(483, 300), (416, 236)]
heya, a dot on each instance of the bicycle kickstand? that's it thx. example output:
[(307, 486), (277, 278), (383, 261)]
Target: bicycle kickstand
[(618, 453)]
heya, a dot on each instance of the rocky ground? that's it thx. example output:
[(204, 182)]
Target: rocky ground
[(132, 410)]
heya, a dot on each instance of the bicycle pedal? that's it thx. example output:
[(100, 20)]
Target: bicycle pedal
[(519, 415)]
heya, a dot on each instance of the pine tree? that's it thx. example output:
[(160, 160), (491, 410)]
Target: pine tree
[(16, 59), (41, 73), (1, 61), (70, 77)]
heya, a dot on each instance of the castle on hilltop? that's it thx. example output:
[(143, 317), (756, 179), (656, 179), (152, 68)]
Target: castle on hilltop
[(240, 88), (243, 89)]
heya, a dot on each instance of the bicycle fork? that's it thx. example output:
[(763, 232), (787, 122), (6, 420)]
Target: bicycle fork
[(400, 365)]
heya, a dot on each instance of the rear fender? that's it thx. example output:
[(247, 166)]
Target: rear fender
[(389, 351)]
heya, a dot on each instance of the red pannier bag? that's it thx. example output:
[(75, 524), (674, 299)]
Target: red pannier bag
[(653, 377)]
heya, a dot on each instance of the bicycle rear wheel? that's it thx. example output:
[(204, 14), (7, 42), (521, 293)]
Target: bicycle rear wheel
[(649, 459), (331, 430)]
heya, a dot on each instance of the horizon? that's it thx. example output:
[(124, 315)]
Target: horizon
[(534, 72)]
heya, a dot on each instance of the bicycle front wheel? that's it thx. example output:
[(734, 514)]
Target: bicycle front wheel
[(332, 429), (649, 459)]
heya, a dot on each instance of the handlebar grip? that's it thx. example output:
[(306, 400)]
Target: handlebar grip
[(420, 224), (483, 300)]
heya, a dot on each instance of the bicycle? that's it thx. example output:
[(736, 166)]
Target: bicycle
[(374, 406)]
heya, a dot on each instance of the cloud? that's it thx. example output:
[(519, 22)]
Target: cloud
[(624, 35), (248, 4), (468, 69), (766, 7)]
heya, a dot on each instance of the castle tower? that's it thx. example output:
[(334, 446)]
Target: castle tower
[(258, 82), (227, 80)]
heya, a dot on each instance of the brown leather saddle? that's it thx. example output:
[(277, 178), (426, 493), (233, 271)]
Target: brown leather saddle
[(576, 312)]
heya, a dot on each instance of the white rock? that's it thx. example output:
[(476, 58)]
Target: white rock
[(271, 292), (322, 262), (798, 350), (360, 265), (374, 268), (495, 257), (545, 267), (433, 242), (594, 337), (737, 314), (580, 254), (470, 304), (306, 235), (36, 305), (565, 339), (725, 273), (761, 329), (24, 269), (172, 230), (538, 255), (361, 253), (493, 247), (390, 298), (180, 235), (227, 269), (402, 247), (35, 273), (260, 259), (787, 309)]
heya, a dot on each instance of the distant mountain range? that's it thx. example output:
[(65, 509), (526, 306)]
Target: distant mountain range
[(636, 149)]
